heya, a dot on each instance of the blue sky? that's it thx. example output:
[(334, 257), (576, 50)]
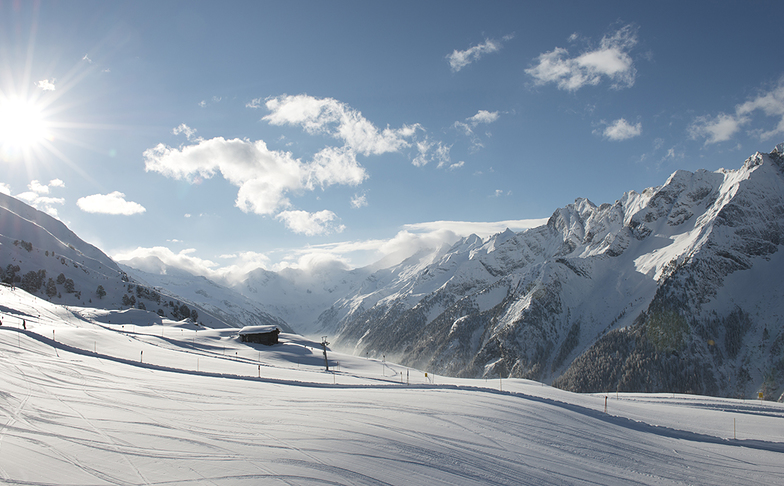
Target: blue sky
[(220, 136)]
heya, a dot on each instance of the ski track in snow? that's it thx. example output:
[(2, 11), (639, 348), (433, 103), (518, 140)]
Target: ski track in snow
[(71, 415)]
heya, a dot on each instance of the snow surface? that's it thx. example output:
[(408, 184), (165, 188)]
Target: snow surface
[(91, 396)]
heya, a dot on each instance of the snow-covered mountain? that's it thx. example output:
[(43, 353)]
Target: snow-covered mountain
[(676, 288), (40, 255)]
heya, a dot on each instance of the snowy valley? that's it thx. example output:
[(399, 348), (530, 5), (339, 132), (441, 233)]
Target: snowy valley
[(93, 396)]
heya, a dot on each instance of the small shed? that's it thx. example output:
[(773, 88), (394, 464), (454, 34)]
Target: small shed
[(260, 334)]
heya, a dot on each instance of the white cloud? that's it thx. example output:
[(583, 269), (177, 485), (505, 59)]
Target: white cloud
[(112, 203), (347, 254), (716, 129), (483, 116), (85, 58), (42, 203), (46, 85), (460, 59), (620, 129), (38, 188), (334, 118), (481, 229), (158, 258), (457, 165), (184, 129), (359, 201), (5, 189), (264, 177), (35, 197), (610, 60), (202, 103), (723, 126), (310, 224)]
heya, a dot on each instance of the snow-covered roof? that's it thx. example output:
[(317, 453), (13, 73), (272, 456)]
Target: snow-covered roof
[(258, 329)]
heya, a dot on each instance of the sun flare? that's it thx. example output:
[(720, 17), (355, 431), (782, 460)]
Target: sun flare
[(22, 125)]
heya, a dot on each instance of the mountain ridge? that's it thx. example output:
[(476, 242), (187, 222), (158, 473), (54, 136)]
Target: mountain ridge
[(650, 264)]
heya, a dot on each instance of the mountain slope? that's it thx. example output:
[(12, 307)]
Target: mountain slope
[(648, 279), (108, 397), (226, 304), (40, 255)]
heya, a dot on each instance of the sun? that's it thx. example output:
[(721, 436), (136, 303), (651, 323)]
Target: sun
[(23, 125)]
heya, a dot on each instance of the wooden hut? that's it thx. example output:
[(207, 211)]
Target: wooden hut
[(260, 334)]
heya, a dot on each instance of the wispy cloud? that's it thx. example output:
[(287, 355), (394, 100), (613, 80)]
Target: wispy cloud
[(184, 129), (723, 127), (359, 201), (467, 127), (479, 228), (611, 60), (5, 189), (460, 59), (428, 151), (112, 203), (621, 129)]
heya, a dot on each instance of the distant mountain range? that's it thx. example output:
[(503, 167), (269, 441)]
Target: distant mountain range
[(675, 289)]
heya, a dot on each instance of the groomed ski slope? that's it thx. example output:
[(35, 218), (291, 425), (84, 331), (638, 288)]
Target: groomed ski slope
[(91, 397)]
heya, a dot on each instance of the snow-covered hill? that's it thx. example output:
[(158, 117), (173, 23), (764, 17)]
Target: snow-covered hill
[(220, 301), (42, 256), (676, 288), (92, 396)]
